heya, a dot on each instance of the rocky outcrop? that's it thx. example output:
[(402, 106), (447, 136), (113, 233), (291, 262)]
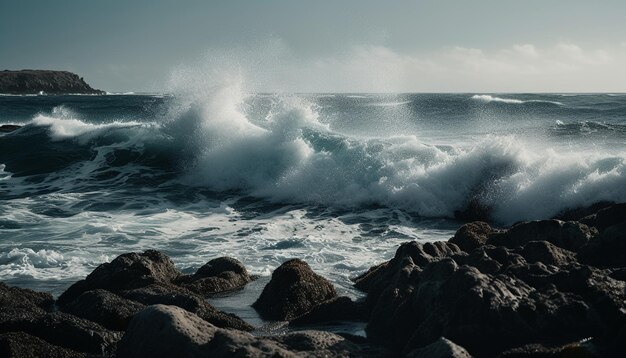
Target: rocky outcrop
[(334, 310), (216, 276), (48, 82), (441, 348), (105, 308), (23, 345), (168, 331), (549, 282), (293, 291)]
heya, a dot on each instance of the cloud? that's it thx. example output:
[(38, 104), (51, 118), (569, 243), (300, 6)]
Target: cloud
[(525, 67)]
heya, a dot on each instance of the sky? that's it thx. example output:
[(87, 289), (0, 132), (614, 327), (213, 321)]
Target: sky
[(324, 46)]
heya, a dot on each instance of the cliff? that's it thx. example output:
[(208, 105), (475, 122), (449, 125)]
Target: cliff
[(50, 82)]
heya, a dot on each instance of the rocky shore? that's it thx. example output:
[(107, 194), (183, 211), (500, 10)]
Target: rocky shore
[(44, 81), (547, 288)]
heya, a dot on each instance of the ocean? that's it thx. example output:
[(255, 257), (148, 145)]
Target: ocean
[(339, 180)]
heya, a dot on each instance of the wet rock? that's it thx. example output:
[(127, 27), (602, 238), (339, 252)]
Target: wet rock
[(181, 297), (168, 331), (334, 310), (293, 290), (105, 308), (22, 345), (569, 235), (472, 235), (606, 250), (609, 216), (15, 296), (538, 351), (126, 272), (218, 275), (441, 348)]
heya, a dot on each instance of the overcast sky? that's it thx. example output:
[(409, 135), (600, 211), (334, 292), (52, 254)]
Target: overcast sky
[(325, 46)]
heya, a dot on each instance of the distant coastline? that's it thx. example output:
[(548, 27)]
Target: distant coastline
[(44, 82)]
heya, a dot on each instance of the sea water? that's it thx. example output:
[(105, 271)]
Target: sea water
[(338, 180)]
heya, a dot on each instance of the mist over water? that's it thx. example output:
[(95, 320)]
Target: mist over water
[(336, 179)]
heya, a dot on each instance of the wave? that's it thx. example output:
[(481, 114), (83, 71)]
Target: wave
[(487, 99), (289, 155)]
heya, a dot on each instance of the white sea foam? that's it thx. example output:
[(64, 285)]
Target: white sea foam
[(487, 98)]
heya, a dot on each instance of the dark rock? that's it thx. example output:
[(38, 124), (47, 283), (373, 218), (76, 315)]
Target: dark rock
[(334, 310), (49, 82), (568, 235), (15, 296), (441, 348), (22, 345), (579, 213), (472, 235), (218, 275), (474, 211), (606, 250), (546, 253), (293, 290), (573, 350), (7, 128), (66, 331), (126, 272), (181, 297), (105, 308), (167, 331), (609, 216)]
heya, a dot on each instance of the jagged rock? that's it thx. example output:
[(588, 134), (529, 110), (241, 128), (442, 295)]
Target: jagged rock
[(126, 272), (441, 348), (569, 235), (168, 331), (334, 310), (15, 297), (49, 82), (22, 345), (546, 253), (472, 235), (218, 275), (576, 350), (293, 290), (105, 308), (181, 297), (606, 250), (609, 216)]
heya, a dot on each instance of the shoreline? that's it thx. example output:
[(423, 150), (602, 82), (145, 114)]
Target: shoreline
[(539, 288)]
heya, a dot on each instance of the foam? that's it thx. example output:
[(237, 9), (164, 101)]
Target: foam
[(487, 99)]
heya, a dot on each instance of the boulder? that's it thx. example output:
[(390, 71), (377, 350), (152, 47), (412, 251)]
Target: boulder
[(547, 253), (293, 290), (168, 331), (105, 308), (608, 249), (569, 235), (126, 272), (472, 235), (441, 348), (181, 297), (606, 217), (22, 345), (218, 275)]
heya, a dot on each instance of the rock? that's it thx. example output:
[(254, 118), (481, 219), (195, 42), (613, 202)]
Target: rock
[(293, 290), (49, 82), (181, 297), (168, 331), (441, 348), (126, 272), (218, 275), (576, 350), (66, 331), (7, 128), (546, 253), (105, 308), (22, 345), (609, 216), (334, 310), (15, 296), (472, 235), (569, 235), (606, 250)]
